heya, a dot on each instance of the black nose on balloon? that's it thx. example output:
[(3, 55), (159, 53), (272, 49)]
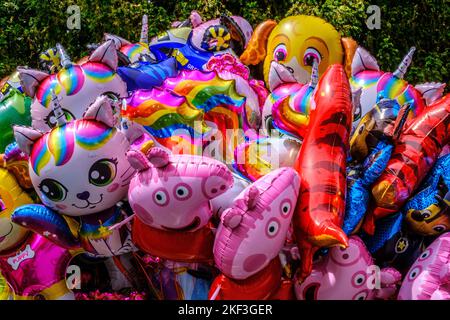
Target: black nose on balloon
[(83, 195)]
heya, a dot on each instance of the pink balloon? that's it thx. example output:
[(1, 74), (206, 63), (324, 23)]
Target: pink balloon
[(348, 274), (429, 276), (253, 230)]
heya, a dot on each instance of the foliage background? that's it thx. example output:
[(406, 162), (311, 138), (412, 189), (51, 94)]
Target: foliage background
[(28, 27)]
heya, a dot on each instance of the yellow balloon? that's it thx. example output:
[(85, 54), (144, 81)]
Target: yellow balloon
[(11, 197)]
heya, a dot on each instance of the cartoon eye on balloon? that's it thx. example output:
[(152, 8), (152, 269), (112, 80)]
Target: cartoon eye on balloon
[(161, 197), (182, 191), (272, 228), (103, 172), (280, 53), (310, 55), (414, 273), (53, 190), (286, 208), (50, 119)]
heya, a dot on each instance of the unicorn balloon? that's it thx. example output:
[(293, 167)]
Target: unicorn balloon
[(77, 86), (250, 236), (374, 83), (80, 171)]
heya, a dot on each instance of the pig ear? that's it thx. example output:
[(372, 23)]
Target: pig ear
[(106, 54), (158, 157), (363, 60), (248, 199), (231, 218), (101, 110), (138, 160), (26, 137), (118, 41), (30, 79)]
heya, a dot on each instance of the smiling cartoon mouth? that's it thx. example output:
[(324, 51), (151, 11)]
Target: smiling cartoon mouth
[(7, 234), (194, 224), (91, 205), (310, 292)]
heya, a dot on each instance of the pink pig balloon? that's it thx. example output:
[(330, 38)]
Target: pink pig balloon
[(171, 196), (348, 274), (429, 276), (254, 229)]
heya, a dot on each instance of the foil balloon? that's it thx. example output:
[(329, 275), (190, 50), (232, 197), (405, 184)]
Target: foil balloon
[(8, 83), (76, 86), (194, 43), (289, 49), (374, 83), (221, 203), (320, 209), (416, 151), (291, 114), (5, 291), (427, 212), (230, 68), (128, 52), (250, 236), (429, 276), (146, 75), (393, 244), (348, 274), (201, 115), (170, 196), (14, 110), (32, 266), (359, 180), (80, 172), (257, 157)]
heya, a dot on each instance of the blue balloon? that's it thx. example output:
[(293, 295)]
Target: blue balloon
[(146, 75), (46, 222), (358, 190)]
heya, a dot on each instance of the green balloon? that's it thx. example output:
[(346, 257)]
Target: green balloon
[(14, 109)]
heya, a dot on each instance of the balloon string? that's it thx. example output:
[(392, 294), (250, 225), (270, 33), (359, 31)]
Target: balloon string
[(125, 221), (216, 293)]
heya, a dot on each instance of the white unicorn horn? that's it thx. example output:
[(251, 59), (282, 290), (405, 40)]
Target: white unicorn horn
[(144, 30), (314, 74), (58, 111), (65, 59), (403, 66)]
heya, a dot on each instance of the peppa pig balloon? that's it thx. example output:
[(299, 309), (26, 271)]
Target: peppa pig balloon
[(429, 276), (170, 196), (250, 236), (348, 274), (76, 86)]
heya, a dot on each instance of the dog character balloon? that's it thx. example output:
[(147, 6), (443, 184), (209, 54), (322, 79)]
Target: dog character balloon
[(348, 274), (80, 172), (32, 266), (250, 236), (77, 86), (427, 212), (289, 48), (429, 276)]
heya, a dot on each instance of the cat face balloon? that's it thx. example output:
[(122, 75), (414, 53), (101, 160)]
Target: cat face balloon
[(76, 85), (80, 167)]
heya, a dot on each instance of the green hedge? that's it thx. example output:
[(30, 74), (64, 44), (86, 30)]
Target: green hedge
[(28, 27)]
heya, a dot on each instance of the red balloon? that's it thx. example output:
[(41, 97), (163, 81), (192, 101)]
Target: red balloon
[(321, 164), (414, 155)]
